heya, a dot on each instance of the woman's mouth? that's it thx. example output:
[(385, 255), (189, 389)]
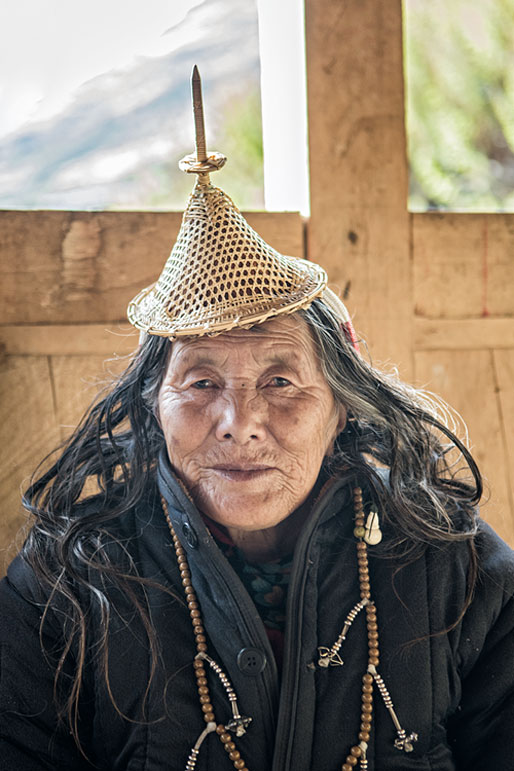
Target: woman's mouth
[(242, 472)]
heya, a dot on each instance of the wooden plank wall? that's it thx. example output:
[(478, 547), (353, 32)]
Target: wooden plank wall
[(431, 292), (66, 281)]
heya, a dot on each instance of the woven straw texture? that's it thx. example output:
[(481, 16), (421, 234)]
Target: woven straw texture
[(221, 275)]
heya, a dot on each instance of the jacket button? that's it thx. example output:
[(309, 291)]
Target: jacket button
[(190, 535), (251, 661)]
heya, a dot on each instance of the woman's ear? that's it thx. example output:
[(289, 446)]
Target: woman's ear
[(343, 415), (157, 408), (341, 423)]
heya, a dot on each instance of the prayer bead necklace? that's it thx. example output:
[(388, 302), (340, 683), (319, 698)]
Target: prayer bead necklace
[(365, 533), (238, 722)]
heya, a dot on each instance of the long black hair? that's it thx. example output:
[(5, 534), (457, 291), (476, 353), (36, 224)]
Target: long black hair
[(115, 450)]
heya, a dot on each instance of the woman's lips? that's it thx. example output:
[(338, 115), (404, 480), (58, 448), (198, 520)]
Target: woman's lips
[(242, 473)]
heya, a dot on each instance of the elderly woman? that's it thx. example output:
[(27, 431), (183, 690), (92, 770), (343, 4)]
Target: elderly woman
[(282, 566)]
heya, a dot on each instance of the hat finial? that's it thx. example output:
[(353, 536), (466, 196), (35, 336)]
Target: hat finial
[(200, 162), (196, 87)]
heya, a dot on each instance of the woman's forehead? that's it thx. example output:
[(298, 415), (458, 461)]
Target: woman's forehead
[(287, 338)]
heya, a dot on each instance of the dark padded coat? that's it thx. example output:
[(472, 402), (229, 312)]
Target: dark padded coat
[(456, 689)]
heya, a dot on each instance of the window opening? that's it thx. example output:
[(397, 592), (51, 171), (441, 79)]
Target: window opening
[(459, 71)]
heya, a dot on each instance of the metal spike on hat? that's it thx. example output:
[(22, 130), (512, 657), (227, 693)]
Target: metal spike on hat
[(220, 274)]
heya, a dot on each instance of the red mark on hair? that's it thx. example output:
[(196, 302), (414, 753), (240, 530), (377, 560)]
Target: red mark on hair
[(349, 333)]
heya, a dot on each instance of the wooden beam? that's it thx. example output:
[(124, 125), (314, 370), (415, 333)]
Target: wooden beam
[(504, 373), (467, 380), (463, 265), (106, 339), (29, 432), (359, 225), (77, 381), (79, 267), (463, 334)]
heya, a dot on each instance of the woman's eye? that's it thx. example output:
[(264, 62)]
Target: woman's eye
[(280, 382), (203, 384)]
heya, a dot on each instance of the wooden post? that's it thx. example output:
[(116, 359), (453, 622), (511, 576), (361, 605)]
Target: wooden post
[(359, 224)]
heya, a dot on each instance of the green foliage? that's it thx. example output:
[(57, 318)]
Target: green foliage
[(241, 141), (459, 64)]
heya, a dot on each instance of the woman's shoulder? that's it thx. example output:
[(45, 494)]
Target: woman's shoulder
[(496, 558), (100, 527), (493, 557), (495, 576)]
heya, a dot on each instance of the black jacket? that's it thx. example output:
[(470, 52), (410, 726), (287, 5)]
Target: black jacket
[(455, 690)]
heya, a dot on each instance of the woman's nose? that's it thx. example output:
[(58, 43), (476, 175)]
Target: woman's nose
[(241, 417)]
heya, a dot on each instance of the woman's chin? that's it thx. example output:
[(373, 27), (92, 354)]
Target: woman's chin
[(246, 512)]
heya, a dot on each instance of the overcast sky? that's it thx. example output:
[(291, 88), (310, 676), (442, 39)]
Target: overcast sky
[(50, 47)]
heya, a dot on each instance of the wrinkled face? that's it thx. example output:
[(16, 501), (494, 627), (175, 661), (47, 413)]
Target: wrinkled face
[(248, 417)]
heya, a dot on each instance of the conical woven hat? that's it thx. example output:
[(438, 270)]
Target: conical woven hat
[(221, 275)]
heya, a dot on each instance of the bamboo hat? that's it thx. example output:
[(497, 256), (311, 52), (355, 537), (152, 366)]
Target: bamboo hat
[(221, 274)]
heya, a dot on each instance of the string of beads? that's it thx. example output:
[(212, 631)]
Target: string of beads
[(404, 741), (328, 656), (199, 664), (358, 752)]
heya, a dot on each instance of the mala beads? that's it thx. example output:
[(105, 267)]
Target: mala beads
[(358, 751), (330, 656), (368, 533), (238, 722)]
